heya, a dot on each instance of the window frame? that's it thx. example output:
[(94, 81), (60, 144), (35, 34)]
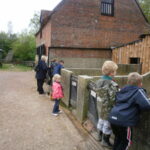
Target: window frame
[(103, 2)]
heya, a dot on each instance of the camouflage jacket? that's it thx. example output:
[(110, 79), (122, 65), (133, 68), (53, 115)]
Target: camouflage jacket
[(106, 91)]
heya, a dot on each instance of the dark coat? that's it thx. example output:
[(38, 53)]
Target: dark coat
[(51, 69), (57, 69), (129, 102), (42, 70)]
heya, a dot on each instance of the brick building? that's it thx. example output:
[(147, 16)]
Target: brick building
[(82, 32)]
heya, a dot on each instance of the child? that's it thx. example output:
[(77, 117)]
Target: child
[(57, 93), (108, 89), (125, 114), (58, 67)]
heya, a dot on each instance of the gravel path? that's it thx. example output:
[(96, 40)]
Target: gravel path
[(26, 122)]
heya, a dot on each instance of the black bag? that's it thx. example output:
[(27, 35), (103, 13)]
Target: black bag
[(36, 69)]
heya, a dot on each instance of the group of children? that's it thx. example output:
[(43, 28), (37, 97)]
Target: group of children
[(119, 110)]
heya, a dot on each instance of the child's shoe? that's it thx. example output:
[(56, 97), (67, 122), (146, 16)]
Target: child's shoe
[(100, 134), (59, 111), (54, 114), (105, 141)]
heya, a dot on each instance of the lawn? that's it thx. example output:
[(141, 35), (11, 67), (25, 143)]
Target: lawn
[(15, 67)]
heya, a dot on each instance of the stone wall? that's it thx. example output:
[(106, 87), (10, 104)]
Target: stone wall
[(123, 69), (141, 135), (80, 58), (86, 71)]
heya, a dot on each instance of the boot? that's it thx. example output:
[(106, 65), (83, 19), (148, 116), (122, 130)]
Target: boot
[(105, 141), (100, 134)]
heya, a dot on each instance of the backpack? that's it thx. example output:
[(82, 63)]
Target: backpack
[(36, 68)]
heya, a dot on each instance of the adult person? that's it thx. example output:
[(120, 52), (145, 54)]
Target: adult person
[(58, 67), (41, 74)]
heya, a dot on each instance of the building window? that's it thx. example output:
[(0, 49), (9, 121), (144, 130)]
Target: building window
[(134, 60), (107, 7)]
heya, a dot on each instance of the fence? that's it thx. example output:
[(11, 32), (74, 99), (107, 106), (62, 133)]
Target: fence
[(73, 91)]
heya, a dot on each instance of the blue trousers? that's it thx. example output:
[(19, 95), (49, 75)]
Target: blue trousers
[(56, 106)]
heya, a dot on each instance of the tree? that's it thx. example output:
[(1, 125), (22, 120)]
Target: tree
[(24, 47), (35, 23), (145, 5), (6, 42)]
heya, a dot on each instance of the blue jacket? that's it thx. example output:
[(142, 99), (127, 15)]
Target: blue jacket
[(129, 102), (57, 69), (42, 70)]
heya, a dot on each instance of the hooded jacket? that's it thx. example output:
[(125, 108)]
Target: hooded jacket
[(57, 90), (57, 69), (129, 102)]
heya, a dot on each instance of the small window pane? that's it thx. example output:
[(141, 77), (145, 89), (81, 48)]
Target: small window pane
[(134, 60), (107, 7)]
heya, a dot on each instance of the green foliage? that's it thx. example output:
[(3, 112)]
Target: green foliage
[(6, 42), (145, 5), (24, 47), (34, 25)]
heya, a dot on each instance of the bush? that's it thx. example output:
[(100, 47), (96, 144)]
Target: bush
[(24, 47)]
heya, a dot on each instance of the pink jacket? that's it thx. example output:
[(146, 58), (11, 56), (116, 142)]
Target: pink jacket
[(57, 91)]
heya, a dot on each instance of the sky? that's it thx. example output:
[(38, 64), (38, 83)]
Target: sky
[(19, 12)]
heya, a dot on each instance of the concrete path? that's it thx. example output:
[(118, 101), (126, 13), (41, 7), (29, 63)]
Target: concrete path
[(26, 122)]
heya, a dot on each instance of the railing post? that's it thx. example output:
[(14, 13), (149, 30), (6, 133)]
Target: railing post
[(82, 97), (66, 75)]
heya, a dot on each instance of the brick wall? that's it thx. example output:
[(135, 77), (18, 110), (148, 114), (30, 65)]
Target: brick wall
[(80, 24), (45, 38)]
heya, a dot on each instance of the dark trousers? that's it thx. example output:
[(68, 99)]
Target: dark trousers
[(56, 106), (123, 137), (40, 83)]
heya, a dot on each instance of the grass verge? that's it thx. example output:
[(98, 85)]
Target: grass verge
[(15, 67)]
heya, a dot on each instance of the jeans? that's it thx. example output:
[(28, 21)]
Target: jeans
[(123, 137), (104, 126), (56, 106)]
